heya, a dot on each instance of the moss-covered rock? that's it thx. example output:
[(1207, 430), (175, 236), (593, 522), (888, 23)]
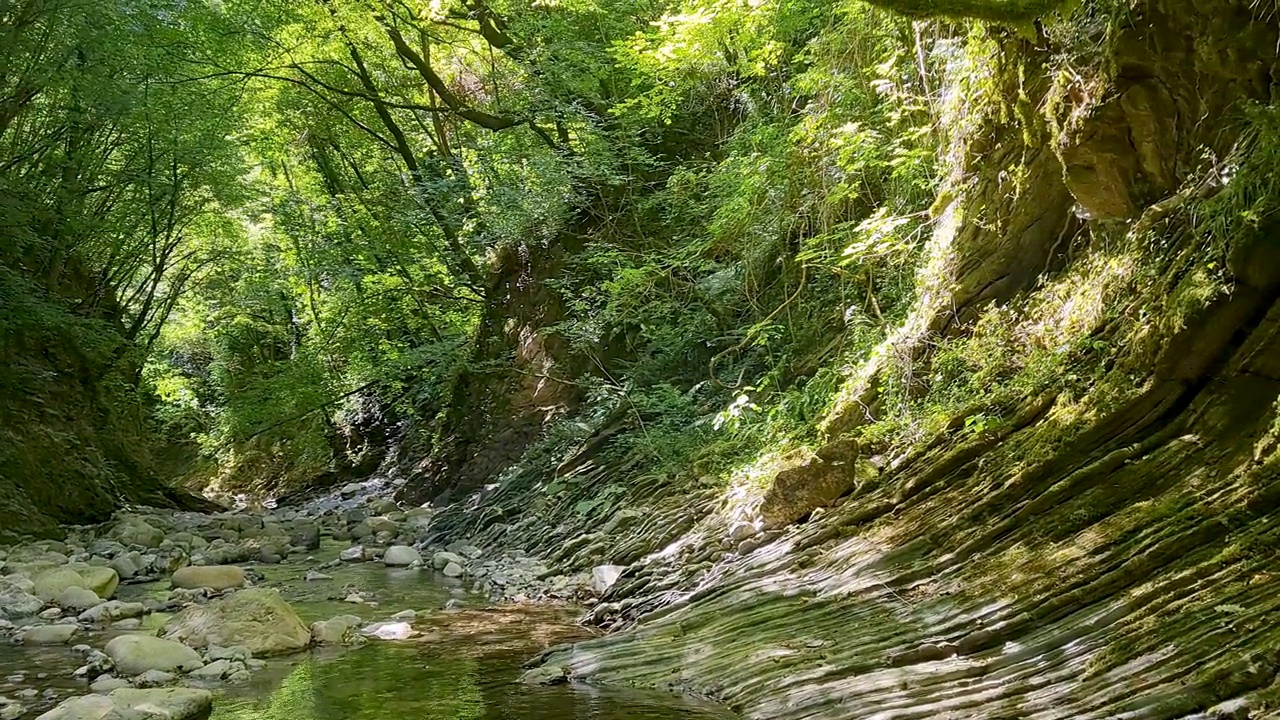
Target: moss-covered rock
[(258, 619)]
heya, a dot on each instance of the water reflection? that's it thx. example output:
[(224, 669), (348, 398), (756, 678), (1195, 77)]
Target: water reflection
[(399, 681), (463, 666)]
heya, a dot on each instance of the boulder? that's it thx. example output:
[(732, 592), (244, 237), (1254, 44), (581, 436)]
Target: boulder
[(442, 559), (258, 619), (16, 602), (452, 570), (389, 631), (78, 598), (112, 610), (105, 548), (305, 534), (812, 480), (136, 531), (333, 631), (131, 703), (214, 670), (49, 634), (22, 582), (136, 654), (100, 579), (241, 654), (214, 577), (88, 707), (125, 566), (51, 583), (400, 556), (383, 524), (355, 553), (740, 531)]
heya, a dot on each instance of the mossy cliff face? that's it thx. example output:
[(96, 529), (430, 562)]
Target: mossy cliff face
[(74, 440), (1095, 534)]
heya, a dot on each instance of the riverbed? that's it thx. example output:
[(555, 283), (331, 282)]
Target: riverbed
[(463, 663)]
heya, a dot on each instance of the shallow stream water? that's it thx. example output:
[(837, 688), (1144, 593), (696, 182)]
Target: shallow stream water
[(465, 664)]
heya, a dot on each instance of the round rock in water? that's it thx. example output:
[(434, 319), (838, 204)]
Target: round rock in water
[(389, 631), (401, 556), (136, 654), (442, 559), (214, 577), (50, 635), (258, 619), (78, 598), (333, 631)]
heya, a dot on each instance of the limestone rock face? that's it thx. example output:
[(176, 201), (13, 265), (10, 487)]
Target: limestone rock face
[(214, 577), (258, 619), (136, 654)]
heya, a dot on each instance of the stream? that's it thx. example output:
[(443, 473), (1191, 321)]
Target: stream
[(464, 665)]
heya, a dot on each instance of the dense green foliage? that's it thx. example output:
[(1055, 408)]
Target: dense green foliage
[(113, 176), (734, 194), (262, 228)]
